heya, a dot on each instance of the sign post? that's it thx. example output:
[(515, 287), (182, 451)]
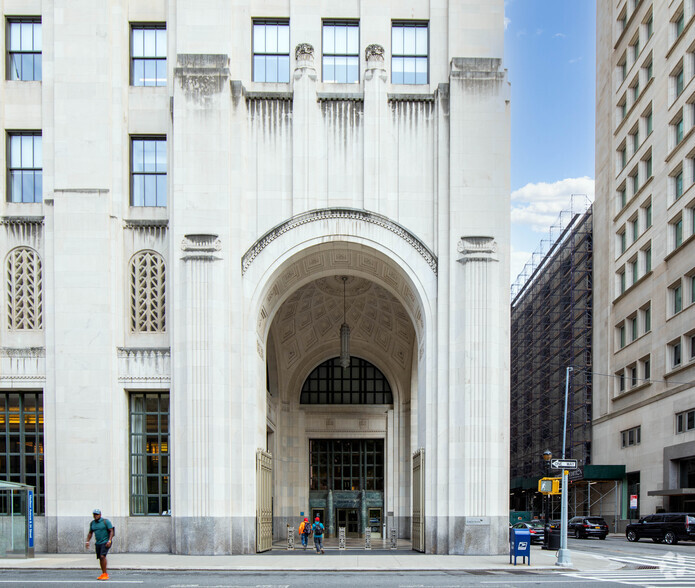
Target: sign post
[(563, 555)]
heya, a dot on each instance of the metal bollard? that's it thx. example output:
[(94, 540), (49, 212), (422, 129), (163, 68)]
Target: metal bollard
[(367, 538), (392, 533), (341, 537), (290, 538)]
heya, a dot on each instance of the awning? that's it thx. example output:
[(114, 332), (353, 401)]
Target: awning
[(672, 492)]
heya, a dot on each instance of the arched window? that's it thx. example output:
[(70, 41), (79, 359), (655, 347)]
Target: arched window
[(24, 290), (147, 293), (361, 383)]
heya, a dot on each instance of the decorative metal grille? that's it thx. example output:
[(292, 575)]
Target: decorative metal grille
[(346, 464), (147, 293), (24, 290)]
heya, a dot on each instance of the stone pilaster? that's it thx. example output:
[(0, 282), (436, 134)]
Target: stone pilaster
[(376, 124)]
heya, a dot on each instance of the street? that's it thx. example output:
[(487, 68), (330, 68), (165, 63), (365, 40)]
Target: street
[(644, 564)]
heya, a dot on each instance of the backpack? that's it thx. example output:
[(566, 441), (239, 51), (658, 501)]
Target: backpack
[(318, 528), (305, 528)]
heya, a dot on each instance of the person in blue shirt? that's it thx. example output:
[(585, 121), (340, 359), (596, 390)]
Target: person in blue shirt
[(317, 529)]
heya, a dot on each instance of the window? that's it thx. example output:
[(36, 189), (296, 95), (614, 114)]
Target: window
[(346, 464), (648, 216), (25, 174), (634, 225), (149, 454), (631, 436), (148, 171), (678, 184), (622, 108), (623, 68), (650, 123), (635, 91), (635, 182), (677, 297), (24, 287), (685, 421), (678, 233), (361, 383), (621, 382), (633, 328), (679, 131), (148, 50), (650, 27), (24, 55), (633, 377), (21, 443), (341, 52), (635, 49), (650, 70), (622, 197), (680, 24), (621, 335), (679, 83), (623, 241), (648, 260), (635, 141), (621, 277), (147, 293), (647, 369), (648, 167), (634, 272), (692, 289), (271, 51), (410, 50), (622, 154), (676, 354), (647, 319), (692, 346)]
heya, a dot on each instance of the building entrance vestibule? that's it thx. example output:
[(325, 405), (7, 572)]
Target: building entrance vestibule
[(349, 519)]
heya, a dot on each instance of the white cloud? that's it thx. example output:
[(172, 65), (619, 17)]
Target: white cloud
[(575, 60), (537, 206), (559, 36), (539, 31), (507, 22)]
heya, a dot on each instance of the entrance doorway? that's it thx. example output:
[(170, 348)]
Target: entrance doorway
[(348, 518)]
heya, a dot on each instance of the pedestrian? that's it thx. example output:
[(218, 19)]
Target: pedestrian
[(103, 534), (317, 529), (305, 531)]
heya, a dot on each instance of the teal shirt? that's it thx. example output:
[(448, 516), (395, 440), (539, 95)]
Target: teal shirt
[(100, 529)]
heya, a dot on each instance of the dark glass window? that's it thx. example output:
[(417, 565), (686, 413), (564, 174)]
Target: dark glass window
[(24, 167), (21, 443), (271, 51), (24, 54), (149, 454), (347, 464), (341, 52), (148, 50), (361, 383), (409, 53), (148, 168)]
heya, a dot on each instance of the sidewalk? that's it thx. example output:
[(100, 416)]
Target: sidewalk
[(332, 560)]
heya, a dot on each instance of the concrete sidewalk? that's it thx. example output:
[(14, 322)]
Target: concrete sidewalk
[(332, 560)]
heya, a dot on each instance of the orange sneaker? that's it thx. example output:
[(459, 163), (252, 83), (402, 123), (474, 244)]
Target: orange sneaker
[(103, 577)]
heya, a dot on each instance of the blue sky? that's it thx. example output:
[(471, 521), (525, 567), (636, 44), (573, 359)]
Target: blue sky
[(550, 52)]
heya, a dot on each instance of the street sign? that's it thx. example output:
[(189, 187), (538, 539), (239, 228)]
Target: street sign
[(564, 464)]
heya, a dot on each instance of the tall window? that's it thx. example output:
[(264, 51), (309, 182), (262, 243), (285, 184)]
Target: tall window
[(21, 443), (148, 50), (361, 383), (341, 52), (24, 167), (409, 53), (631, 436), (24, 289), (148, 171), (271, 51), (147, 293), (685, 421), (677, 299), (149, 454), (24, 55)]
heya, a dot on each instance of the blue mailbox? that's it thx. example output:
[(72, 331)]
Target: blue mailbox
[(519, 545)]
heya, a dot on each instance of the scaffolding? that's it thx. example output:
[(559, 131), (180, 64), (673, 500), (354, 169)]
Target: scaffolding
[(551, 329)]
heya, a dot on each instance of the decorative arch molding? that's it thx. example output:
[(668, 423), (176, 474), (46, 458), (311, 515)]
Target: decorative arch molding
[(352, 214)]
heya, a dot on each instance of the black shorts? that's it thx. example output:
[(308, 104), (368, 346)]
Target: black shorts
[(101, 549)]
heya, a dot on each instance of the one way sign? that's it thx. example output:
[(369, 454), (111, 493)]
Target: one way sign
[(564, 464)]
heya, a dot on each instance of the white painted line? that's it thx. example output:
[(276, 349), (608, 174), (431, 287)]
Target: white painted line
[(111, 581)]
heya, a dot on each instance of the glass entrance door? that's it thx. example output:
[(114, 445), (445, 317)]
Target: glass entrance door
[(348, 518)]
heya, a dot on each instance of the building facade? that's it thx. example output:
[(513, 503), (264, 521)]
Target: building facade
[(255, 262), (644, 219)]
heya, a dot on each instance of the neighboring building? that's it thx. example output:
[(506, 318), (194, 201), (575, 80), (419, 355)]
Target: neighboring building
[(188, 183), (644, 227), (551, 327)]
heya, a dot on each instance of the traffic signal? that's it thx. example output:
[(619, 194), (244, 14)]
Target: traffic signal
[(549, 485)]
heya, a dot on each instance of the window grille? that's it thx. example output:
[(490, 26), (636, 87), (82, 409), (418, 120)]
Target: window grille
[(147, 293), (361, 383), (24, 290)]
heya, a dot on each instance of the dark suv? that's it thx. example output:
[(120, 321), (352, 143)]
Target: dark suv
[(670, 527), (583, 527)]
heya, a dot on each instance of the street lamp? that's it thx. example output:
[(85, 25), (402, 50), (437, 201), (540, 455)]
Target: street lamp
[(547, 456)]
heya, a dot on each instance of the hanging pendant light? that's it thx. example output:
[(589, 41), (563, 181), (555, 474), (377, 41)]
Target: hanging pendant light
[(344, 335)]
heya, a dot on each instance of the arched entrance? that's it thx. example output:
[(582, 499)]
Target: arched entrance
[(341, 439)]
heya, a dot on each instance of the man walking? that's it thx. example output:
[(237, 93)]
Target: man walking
[(103, 534), (318, 535), (305, 531)]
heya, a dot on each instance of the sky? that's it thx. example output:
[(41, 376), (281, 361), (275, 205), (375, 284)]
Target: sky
[(550, 55)]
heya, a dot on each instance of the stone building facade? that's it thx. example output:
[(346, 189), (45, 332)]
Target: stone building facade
[(199, 196), (644, 218)]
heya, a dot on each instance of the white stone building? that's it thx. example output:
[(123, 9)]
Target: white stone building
[(188, 185), (644, 219)]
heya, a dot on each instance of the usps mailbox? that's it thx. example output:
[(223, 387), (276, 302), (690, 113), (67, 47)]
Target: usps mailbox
[(520, 545)]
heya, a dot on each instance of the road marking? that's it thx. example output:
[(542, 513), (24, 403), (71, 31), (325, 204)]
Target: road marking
[(111, 581)]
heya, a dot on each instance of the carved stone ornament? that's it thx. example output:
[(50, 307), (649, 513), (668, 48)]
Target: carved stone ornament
[(201, 76), (374, 52), (201, 247), (477, 249), (304, 52)]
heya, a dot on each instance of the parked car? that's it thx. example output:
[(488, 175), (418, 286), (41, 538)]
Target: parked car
[(670, 527), (583, 527), (535, 529)]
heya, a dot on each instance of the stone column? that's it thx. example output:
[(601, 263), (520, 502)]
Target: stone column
[(329, 522)]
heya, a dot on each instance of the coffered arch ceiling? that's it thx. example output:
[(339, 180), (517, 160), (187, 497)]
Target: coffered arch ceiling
[(306, 329)]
